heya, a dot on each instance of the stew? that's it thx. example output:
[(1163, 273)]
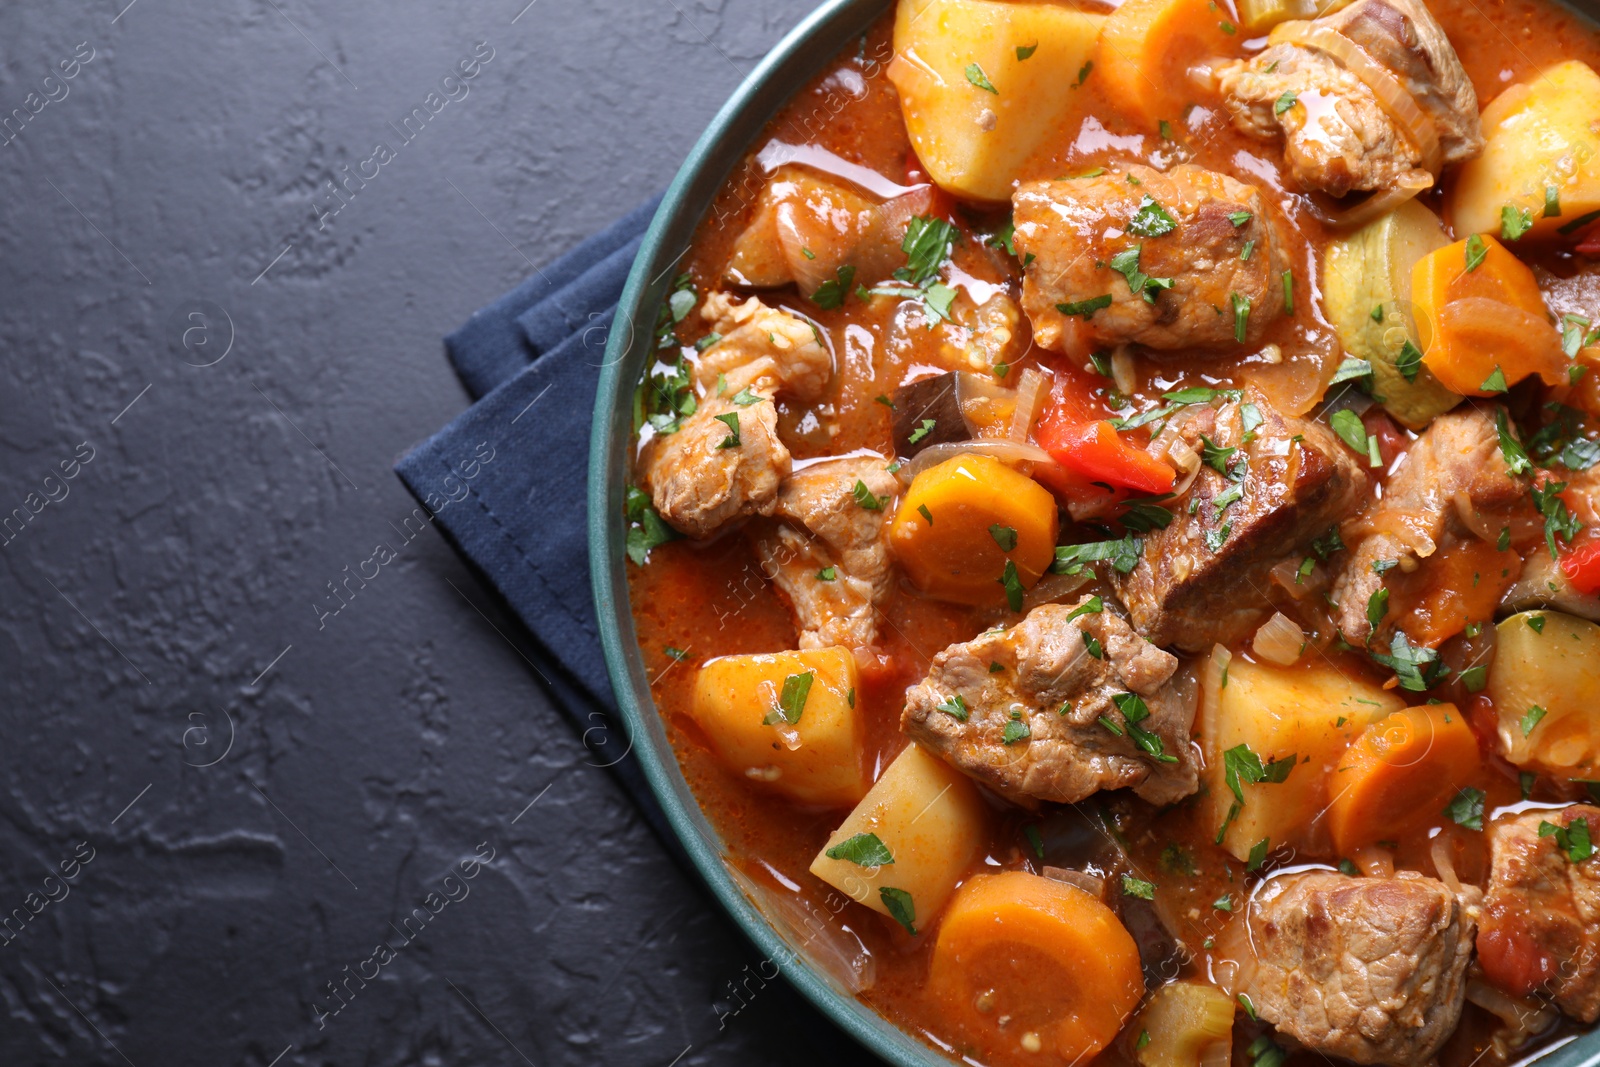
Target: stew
[(1114, 527)]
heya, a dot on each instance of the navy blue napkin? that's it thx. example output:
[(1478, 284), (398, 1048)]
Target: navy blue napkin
[(506, 481)]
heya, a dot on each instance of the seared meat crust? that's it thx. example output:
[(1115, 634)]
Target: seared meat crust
[(1203, 579)]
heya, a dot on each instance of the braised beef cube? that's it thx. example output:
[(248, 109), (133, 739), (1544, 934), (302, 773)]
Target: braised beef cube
[(1269, 484)]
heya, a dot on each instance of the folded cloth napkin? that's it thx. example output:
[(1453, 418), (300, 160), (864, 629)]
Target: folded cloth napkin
[(506, 481)]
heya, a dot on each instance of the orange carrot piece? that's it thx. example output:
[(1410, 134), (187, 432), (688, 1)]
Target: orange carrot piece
[(1475, 322), (1146, 50), (1047, 956), (1399, 773)]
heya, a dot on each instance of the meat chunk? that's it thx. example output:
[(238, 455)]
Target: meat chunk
[(1203, 578), (698, 481), (1057, 708), (1459, 453), (829, 559), (777, 351), (1541, 917), (1369, 969), (807, 226), (725, 461), (1339, 135), (1167, 253)]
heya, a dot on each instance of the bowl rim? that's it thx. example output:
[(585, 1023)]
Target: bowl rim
[(770, 86)]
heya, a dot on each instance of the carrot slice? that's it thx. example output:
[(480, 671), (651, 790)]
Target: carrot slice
[(1147, 48), (1399, 773), (1046, 956), (1491, 318)]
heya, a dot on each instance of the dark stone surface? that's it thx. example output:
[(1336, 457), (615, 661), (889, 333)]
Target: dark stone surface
[(266, 793)]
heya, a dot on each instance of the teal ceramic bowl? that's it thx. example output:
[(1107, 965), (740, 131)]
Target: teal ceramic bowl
[(759, 913)]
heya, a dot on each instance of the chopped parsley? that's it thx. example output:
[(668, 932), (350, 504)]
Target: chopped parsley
[(923, 430), (1353, 368), (1348, 425), (1258, 859), (1377, 607), (1126, 263), (1466, 809), (1015, 730), (791, 699), (676, 653), (1012, 583), (1239, 218), (1558, 521), (1134, 711), (1536, 623), (1552, 202), (646, 528), (866, 498), (1573, 839), (831, 293), (1004, 536), (1531, 719), (1516, 457), (955, 706), (927, 244), (1417, 666), (1241, 315), (1151, 220), (901, 908), (976, 76), (1122, 555), (1475, 678), (1138, 887), (827, 574), (1514, 222), (744, 397), (1026, 51), (1495, 382), (1086, 308), (922, 509), (1285, 102), (731, 421), (863, 850), (1476, 252), (1093, 606), (1092, 646)]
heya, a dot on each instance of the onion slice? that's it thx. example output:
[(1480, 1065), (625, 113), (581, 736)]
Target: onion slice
[(1005, 450), (1030, 394), (1055, 588), (1280, 640), (1375, 206), (1396, 101)]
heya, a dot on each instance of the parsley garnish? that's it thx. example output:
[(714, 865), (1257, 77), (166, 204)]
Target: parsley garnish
[(1558, 521), (1138, 887), (1123, 555), (1241, 315), (863, 850), (901, 908), (827, 574), (921, 431), (1467, 808), (1004, 536), (1285, 102), (1531, 719), (791, 700), (954, 706), (866, 499), (1012, 583), (1573, 839), (1086, 308), (1093, 606), (731, 421), (1015, 730), (1495, 382), (1151, 220), (1417, 666), (1126, 263), (646, 528), (1514, 222), (1239, 218), (976, 76), (1476, 251), (1025, 52)]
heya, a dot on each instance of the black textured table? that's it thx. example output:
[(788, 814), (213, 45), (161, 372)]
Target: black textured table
[(225, 786)]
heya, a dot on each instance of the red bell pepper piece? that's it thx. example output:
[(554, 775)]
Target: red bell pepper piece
[(1582, 568), (1085, 443)]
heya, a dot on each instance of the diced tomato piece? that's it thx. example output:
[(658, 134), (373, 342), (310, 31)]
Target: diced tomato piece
[(1512, 960), (1582, 568), (1390, 440)]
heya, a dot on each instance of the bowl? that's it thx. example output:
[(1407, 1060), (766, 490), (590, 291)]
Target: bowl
[(800, 55)]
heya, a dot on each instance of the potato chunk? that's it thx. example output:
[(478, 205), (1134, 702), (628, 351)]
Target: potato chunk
[(982, 84), (767, 722), (1544, 686), (930, 818), (1311, 712), (1541, 143)]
